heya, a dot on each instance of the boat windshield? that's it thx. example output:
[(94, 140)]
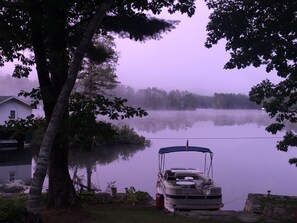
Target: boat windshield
[(173, 149)]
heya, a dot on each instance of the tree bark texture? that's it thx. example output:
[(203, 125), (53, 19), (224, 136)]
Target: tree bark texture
[(38, 40), (34, 200)]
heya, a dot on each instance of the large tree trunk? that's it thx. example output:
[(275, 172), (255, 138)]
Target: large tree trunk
[(34, 201), (38, 39), (61, 189)]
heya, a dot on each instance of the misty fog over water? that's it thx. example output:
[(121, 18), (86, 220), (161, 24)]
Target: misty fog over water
[(245, 156)]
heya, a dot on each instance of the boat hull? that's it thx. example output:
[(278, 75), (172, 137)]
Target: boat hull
[(186, 188), (192, 202), (195, 196)]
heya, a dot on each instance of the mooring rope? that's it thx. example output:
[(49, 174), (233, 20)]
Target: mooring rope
[(235, 199), (219, 138)]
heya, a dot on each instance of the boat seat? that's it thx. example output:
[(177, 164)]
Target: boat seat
[(171, 178), (182, 175), (169, 175)]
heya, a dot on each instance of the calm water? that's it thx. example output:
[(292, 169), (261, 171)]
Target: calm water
[(245, 157)]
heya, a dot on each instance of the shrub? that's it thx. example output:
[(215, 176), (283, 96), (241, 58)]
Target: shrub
[(12, 209)]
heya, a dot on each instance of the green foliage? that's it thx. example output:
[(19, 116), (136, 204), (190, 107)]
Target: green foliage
[(28, 18), (126, 135), (232, 101), (275, 127), (115, 108), (257, 33), (157, 99), (136, 197), (293, 161), (37, 132), (48, 33), (96, 78), (109, 186), (83, 127), (262, 33), (88, 133), (19, 129), (34, 95), (12, 209), (290, 139)]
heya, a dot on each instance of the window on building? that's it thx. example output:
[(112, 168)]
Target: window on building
[(12, 114), (12, 176)]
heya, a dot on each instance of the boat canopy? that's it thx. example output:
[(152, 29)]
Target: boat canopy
[(173, 149)]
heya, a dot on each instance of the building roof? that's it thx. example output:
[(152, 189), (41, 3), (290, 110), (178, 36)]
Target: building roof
[(4, 99)]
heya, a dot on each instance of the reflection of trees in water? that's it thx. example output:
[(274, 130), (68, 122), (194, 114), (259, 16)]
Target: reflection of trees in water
[(100, 155), (104, 154), (226, 120), (159, 123), (179, 120)]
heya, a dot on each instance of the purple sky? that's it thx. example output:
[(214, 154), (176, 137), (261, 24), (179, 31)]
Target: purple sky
[(180, 61)]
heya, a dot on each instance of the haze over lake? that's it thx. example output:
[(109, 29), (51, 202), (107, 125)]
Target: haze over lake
[(245, 156)]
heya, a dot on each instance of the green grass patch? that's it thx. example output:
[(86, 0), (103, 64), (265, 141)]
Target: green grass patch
[(12, 208), (125, 209), (130, 214)]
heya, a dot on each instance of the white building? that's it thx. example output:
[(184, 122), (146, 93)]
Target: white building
[(12, 107)]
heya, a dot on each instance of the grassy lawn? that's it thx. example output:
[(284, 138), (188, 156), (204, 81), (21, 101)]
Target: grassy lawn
[(109, 213), (12, 209), (131, 208), (134, 207)]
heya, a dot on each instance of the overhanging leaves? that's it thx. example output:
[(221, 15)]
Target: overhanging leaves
[(262, 33)]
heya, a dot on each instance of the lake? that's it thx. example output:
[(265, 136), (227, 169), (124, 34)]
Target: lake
[(245, 156)]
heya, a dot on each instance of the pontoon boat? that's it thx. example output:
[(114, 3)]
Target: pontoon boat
[(188, 188)]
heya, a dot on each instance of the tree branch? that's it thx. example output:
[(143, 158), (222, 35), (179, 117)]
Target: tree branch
[(17, 4), (56, 118)]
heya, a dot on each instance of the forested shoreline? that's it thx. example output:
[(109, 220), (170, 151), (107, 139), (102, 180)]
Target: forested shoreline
[(153, 98)]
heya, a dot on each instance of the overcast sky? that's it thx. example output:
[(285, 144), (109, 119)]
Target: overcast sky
[(180, 61)]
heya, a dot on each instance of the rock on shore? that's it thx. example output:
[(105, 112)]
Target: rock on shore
[(258, 208)]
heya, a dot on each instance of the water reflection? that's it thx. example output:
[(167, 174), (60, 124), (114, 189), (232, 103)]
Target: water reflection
[(104, 154), (246, 159), (86, 162), (180, 120), (15, 165)]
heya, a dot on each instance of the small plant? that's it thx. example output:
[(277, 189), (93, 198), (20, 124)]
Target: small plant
[(109, 186), (136, 197)]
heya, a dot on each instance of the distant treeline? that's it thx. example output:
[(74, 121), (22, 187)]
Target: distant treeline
[(149, 98), (158, 99)]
